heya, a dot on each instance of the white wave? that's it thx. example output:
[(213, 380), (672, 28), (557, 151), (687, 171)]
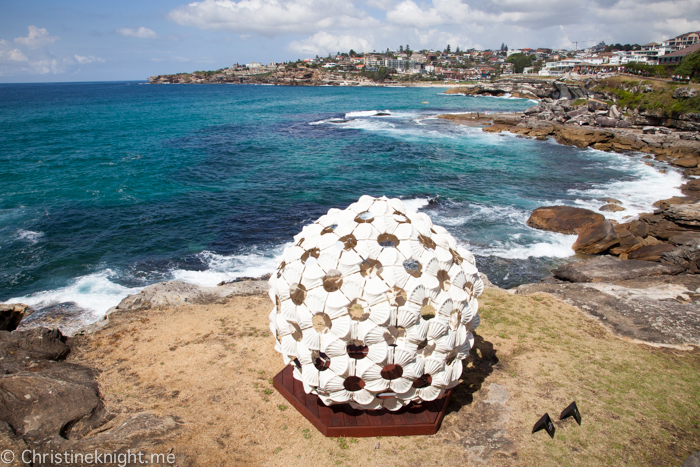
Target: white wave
[(415, 204), (227, 268), (365, 113), (95, 293), (29, 235), (481, 213), (638, 195), (553, 245)]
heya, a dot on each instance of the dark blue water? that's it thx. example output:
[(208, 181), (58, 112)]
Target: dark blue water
[(107, 187)]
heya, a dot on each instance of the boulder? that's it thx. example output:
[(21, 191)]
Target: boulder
[(684, 214), (638, 228), (11, 315), (611, 269), (651, 252), (563, 219), (611, 201), (686, 256), (628, 242), (664, 203), (596, 238), (612, 207), (596, 105), (582, 137), (684, 93)]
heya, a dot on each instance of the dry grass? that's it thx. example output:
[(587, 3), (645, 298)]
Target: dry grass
[(211, 367)]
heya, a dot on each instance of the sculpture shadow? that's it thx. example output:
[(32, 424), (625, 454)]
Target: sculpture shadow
[(483, 358)]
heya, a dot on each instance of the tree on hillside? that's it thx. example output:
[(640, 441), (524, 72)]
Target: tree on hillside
[(447, 50), (401, 49), (519, 61), (689, 66), (408, 49)]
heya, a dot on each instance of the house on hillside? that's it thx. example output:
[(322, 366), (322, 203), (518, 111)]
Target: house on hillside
[(677, 56)]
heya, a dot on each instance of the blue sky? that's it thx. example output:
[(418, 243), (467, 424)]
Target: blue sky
[(71, 40)]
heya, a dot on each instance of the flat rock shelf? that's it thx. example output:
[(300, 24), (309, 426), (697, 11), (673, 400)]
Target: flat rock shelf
[(342, 420)]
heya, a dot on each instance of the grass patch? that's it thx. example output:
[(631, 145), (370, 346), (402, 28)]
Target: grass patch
[(639, 404), (658, 100)]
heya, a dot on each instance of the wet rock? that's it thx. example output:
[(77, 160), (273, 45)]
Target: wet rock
[(596, 238), (11, 315), (691, 188), (563, 219), (611, 269), (651, 252), (611, 201), (612, 208), (684, 214), (664, 203)]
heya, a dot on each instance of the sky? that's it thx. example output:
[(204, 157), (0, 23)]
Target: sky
[(78, 40)]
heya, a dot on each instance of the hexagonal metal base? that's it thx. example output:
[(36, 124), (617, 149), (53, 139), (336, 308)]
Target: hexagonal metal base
[(343, 420)]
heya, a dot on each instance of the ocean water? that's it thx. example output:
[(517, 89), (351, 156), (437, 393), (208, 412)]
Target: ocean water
[(108, 187)]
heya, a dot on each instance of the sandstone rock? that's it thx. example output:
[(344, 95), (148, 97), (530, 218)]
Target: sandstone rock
[(596, 238), (611, 269), (691, 188), (687, 238), (688, 162), (628, 242), (638, 228), (686, 256), (563, 219), (541, 129), (495, 128), (582, 137), (651, 252), (611, 201), (665, 229), (664, 203), (11, 315), (22, 348), (650, 240), (684, 93), (684, 214), (612, 208), (640, 308), (615, 113), (175, 293)]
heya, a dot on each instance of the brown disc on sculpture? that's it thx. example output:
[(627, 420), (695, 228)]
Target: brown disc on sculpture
[(312, 253), (388, 240), (321, 360), (423, 382), (297, 293), (353, 383), (349, 242), (391, 371), (358, 352), (333, 280), (427, 242)]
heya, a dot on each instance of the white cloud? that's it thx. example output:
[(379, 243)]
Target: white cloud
[(37, 37), (139, 33), (272, 17), (323, 43), (14, 55), (89, 59)]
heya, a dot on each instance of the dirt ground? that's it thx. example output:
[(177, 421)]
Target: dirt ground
[(211, 368)]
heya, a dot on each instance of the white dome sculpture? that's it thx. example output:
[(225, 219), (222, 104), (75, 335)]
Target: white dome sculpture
[(375, 306)]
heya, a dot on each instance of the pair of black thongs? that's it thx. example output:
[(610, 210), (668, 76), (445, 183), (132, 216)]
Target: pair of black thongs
[(545, 423)]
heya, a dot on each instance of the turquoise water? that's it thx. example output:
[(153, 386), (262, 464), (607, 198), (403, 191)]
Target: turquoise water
[(108, 187)]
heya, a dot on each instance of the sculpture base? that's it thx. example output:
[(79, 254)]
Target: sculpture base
[(343, 421)]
